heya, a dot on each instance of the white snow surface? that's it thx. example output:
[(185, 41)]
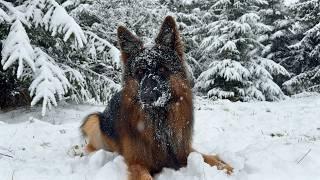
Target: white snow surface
[(261, 140)]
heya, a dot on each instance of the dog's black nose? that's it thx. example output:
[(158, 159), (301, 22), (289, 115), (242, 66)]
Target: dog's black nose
[(150, 90)]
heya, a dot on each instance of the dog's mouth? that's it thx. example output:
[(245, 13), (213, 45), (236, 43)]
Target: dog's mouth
[(154, 98), (154, 92)]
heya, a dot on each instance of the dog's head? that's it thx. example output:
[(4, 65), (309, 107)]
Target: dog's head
[(151, 69)]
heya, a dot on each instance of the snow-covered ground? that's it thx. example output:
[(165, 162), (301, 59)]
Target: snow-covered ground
[(262, 140)]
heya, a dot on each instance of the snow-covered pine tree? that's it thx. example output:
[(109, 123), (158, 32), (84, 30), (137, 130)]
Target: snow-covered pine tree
[(103, 17), (191, 17), (276, 15), (48, 50), (234, 67), (305, 57), (18, 52), (100, 19), (95, 73)]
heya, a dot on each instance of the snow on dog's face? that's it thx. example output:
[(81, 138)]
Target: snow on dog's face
[(152, 67)]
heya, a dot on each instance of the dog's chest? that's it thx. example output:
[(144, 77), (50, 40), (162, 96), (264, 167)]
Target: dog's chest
[(161, 146), (157, 124), (161, 137)]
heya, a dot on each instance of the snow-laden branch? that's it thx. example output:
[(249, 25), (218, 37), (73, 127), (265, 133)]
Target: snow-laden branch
[(14, 13), (54, 18), (49, 81), (273, 68), (4, 17), (227, 69), (57, 20), (17, 47), (99, 44)]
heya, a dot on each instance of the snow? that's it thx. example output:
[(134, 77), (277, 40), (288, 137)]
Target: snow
[(229, 46), (238, 73), (262, 140), (228, 69), (49, 80), (162, 100), (4, 17), (290, 2), (58, 20), (101, 44), (17, 48), (217, 92)]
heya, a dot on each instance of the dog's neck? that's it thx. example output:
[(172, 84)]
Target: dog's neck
[(156, 114)]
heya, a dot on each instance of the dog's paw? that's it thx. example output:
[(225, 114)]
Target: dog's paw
[(146, 177), (138, 172), (226, 167), (141, 176), (216, 161)]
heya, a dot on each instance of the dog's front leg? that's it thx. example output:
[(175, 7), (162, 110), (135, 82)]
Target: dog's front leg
[(139, 172), (214, 160)]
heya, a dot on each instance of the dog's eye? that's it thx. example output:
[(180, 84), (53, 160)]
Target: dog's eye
[(139, 71), (162, 69)]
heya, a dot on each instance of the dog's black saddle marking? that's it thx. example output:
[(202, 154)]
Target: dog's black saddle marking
[(110, 115)]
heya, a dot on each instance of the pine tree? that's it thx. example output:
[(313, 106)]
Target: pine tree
[(100, 20), (236, 69), (192, 16), (48, 51), (103, 17), (305, 57), (277, 41)]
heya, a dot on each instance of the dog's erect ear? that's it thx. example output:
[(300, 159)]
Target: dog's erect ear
[(129, 43), (169, 36)]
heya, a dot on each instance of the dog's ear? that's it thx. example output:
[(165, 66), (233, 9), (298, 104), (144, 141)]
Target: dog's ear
[(169, 36), (129, 43)]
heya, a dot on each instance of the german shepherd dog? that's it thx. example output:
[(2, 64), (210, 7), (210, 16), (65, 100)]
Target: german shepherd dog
[(150, 121)]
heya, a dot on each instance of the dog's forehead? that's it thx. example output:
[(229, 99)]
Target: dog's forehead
[(157, 55), (153, 55)]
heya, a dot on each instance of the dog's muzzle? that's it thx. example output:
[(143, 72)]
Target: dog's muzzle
[(154, 91)]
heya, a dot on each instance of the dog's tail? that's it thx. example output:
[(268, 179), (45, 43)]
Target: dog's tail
[(91, 130)]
